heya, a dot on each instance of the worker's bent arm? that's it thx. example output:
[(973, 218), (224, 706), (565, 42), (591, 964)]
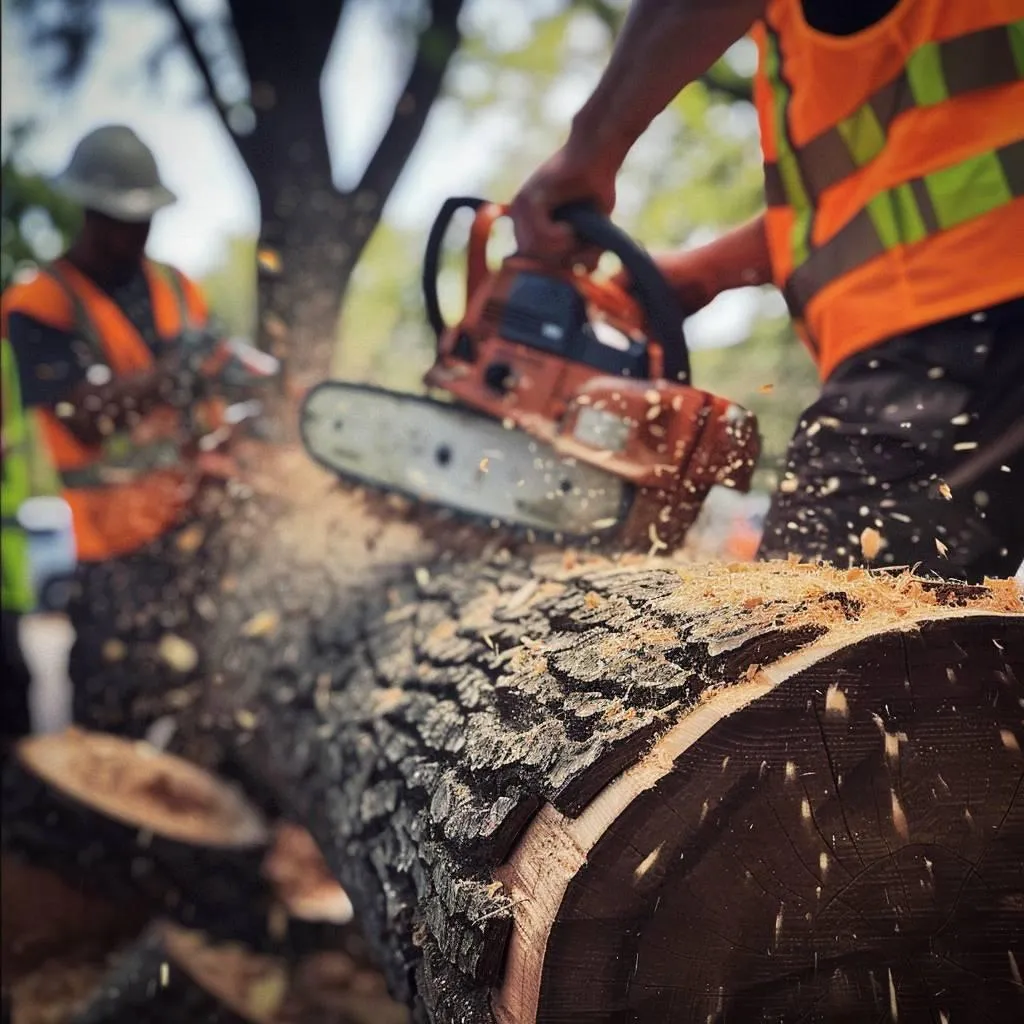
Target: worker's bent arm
[(663, 46), (738, 259)]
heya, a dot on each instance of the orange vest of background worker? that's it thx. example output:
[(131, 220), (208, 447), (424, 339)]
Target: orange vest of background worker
[(98, 358)]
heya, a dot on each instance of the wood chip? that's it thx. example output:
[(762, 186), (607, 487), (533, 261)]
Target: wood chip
[(870, 543), (262, 624), (177, 652)]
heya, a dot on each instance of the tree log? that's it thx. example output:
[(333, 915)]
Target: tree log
[(650, 792)]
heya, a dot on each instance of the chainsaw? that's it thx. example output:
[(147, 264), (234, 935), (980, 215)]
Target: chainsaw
[(565, 402)]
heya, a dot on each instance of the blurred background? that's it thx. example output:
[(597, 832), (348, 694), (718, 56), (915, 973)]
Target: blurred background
[(311, 144)]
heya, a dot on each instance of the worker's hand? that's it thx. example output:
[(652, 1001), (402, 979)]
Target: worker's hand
[(689, 274), (571, 174)]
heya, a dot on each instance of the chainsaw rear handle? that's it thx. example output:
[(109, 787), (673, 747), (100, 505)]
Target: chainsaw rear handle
[(659, 303)]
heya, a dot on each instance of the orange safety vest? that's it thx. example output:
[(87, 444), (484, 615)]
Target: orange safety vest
[(894, 167), (134, 486)]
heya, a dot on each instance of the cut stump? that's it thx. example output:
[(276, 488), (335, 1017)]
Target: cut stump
[(135, 826)]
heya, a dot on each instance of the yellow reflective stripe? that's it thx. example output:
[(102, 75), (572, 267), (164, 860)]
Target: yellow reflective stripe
[(787, 165), (909, 213), (16, 594), (934, 72), (969, 189), (1016, 33), (925, 77), (177, 286), (16, 486), (863, 134)]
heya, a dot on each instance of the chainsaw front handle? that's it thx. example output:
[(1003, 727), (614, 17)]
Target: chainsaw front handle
[(658, 302), (432, 258)]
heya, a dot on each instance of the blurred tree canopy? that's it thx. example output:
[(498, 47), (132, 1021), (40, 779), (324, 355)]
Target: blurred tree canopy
[(260, 63), (35, 221), (510, 84)]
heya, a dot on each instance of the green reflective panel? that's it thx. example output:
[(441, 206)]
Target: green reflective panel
[(788, 166), (910, 224), (1016, 33), (968, 189), (924, 72), (881, 210), (863, 134)]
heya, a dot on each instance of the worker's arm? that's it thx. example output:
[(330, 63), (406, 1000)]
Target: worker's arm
[(663, 46), (736, 260), (54, 372)]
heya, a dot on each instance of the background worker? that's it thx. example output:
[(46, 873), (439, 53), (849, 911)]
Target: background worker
[(98, 340), (893, 138)]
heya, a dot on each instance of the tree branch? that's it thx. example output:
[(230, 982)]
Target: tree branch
[(191, 44), (435, 48)]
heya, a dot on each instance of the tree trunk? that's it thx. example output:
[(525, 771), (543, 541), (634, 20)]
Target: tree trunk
[(650, 792)]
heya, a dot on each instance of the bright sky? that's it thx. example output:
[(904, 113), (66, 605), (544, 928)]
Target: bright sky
[(200, 164)]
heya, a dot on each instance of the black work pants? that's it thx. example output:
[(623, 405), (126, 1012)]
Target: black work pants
[(867, 465), (17, 679)]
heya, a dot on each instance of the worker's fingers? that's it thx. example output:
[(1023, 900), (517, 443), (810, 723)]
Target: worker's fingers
[(537, 233)]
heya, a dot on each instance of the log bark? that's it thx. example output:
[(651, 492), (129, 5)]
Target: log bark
[(171, 975), (644, 791)]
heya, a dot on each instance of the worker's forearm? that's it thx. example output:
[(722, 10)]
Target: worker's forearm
[(663, 46), (739, 258)]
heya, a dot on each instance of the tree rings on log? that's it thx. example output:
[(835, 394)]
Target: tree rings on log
[(176, 976), (836, 837), (125, 820)]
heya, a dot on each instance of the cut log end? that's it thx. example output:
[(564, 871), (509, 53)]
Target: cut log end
[(640, 790), (841, 838)]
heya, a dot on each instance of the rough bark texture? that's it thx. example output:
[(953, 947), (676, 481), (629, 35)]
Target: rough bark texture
[(417, 724)]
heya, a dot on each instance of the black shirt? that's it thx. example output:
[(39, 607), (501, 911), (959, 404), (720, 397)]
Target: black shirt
[(846, 17)]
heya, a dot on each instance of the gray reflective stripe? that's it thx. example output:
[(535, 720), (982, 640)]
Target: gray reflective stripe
[(110, 472), (83, 321), (979, 60), (860, 239), (177, 286)]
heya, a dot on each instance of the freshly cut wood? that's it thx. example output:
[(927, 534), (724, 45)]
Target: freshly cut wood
[(173, 976), (647, 791), (120, 819)]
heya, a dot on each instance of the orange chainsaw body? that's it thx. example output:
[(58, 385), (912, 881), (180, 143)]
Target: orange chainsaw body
[(573, 360)]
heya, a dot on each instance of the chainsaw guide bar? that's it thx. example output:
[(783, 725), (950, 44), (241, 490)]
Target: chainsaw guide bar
[(449, 456)]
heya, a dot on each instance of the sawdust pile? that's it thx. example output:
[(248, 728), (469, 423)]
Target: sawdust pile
[(807, 594)]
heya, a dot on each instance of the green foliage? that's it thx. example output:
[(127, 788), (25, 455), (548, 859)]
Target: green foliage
[(770, 373), (231, 288), (36, 223)]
